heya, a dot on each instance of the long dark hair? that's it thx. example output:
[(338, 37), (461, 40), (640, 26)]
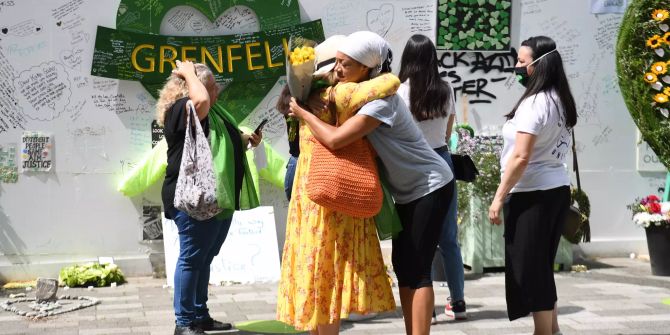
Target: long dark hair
[(548, 74), (429, 95)]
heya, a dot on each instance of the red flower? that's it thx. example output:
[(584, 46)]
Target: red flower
[(653, 198), (654, 208)]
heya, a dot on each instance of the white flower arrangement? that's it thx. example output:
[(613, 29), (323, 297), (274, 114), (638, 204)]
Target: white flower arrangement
[(644, 219)]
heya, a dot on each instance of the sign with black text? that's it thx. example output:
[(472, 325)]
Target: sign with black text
[(36, 151)]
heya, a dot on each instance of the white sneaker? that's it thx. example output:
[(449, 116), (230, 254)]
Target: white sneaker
[(355, 317)]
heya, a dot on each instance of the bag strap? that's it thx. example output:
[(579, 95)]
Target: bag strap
[(192, 127), (575, 164)]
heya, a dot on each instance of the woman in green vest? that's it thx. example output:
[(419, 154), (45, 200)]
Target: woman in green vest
[(200, 241)]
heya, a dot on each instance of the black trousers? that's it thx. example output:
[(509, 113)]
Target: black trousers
[(414, 247), (533, 225)]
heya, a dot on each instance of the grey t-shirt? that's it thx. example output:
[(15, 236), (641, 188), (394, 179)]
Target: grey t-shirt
[(411, 167)]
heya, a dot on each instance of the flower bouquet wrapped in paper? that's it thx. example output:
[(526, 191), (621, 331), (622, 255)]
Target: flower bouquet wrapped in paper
[(300, 66)]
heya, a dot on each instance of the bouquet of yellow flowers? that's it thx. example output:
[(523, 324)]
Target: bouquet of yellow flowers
[(300, 67)]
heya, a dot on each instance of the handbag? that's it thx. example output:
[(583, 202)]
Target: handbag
[(345, 180), (195, 192), (464, 168), (576, 227)]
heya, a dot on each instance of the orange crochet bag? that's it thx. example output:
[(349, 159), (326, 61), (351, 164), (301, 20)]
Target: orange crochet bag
[(345, 180)]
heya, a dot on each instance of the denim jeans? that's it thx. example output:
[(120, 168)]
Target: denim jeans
[(448, 244), (290, 174), (199, 243)]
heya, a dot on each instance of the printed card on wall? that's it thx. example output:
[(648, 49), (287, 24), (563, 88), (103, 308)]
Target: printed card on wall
[(8, 168), (36, 151), (152, 226), (156, 133), (608, 6), (481, 25)]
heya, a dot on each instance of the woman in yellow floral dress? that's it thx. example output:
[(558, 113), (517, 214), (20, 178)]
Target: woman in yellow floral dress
[(332, 263)]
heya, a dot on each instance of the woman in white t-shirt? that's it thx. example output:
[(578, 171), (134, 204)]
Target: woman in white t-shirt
[(431, 101), (534, 191)]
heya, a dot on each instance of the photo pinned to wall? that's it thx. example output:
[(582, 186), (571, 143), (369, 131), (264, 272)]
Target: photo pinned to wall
[(152, 225), (156, 133), (608, 6), (37, 151), (474, 25), (9, 171)]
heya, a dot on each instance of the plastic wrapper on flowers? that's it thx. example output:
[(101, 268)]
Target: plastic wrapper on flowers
[(300, 67)]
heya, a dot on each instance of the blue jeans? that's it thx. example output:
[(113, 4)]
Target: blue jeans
[(448, 244), (199, 243), (290, 174)]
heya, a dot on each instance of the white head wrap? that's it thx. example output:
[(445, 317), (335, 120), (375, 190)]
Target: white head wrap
[(368, 49)]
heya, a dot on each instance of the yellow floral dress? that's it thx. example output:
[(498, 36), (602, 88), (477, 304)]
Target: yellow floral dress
[(332, 263)]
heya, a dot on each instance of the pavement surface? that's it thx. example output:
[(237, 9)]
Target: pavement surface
[(615, 296)]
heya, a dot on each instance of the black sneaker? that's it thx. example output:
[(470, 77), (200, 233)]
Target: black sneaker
[(211, 324), (190, 330), (456, 310)]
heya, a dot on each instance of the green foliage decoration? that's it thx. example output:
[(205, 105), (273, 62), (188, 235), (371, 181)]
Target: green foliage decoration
[(90, 274), (635, 59)]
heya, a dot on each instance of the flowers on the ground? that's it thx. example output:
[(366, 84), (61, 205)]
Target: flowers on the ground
[(660, 14), (650, 211), (485, 153)]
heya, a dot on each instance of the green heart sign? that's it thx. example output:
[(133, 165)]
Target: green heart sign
[(474, 25), (644, 77), (277, 19)]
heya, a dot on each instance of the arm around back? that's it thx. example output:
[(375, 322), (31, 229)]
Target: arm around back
[(335, 137)]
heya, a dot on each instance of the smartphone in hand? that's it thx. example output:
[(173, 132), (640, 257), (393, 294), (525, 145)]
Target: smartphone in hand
[(260, 126)]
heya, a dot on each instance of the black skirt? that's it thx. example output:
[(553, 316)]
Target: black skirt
[(533, 225)]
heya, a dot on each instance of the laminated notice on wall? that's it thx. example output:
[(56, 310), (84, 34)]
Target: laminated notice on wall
[(608, 6), (8, 168), (36, 152)]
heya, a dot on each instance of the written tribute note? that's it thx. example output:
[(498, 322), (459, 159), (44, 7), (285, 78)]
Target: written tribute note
[(44, 91), (36, 152)]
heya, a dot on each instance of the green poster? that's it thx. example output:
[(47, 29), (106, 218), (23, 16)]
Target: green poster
[(150, 58), (148, 15), (477, 25)]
